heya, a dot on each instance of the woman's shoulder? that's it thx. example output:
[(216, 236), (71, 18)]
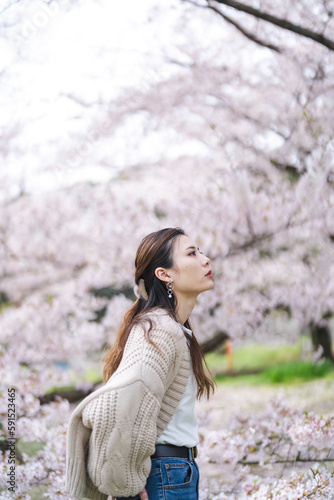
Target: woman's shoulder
[(161, 320)]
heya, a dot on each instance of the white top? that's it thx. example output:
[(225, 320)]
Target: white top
[(182, 429)]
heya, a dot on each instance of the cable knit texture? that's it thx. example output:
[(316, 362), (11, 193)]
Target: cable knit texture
[(113, 431)]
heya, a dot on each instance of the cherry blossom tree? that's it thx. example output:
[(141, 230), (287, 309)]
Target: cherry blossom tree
[(243, 160)]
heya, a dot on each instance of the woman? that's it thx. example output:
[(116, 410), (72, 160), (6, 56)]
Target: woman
[(136, 436)]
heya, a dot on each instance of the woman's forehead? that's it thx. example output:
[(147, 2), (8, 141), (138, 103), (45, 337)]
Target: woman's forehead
[(183, 243)]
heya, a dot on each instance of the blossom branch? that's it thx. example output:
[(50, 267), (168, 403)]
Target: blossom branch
[(281, 23)]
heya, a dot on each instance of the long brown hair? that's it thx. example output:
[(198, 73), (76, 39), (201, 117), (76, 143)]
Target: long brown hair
[(156, 250)]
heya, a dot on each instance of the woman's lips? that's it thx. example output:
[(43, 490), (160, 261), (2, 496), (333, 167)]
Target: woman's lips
[(209, 274)]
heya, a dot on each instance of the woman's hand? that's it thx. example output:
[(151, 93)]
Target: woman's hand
[(143, 495)]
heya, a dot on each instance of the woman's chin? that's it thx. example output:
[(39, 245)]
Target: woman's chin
[(209, 286)]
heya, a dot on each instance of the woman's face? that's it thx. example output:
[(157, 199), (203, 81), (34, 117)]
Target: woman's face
[(191, 272)]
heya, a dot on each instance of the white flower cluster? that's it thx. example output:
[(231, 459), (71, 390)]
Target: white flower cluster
[(281, 436)]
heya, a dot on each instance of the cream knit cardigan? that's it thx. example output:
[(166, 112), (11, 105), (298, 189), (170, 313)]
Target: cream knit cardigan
[(113, 431)]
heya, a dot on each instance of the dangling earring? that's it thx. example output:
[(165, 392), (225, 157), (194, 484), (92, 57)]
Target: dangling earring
[(170, 288)]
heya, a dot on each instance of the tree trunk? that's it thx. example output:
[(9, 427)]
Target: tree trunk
[(214, 342), (321, 336)]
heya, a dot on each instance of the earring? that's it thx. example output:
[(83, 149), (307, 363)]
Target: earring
[(170, 288)]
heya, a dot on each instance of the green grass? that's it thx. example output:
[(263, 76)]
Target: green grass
[(91, 375), (30, 447), (253, 364), (283, 373), (94, 375), (260, 364), (301, 371), (254, 357)]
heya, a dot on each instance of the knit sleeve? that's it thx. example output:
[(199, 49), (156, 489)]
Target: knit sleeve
[(124, 419)]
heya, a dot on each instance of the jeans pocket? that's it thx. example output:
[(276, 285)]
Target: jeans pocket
[(179, 474)]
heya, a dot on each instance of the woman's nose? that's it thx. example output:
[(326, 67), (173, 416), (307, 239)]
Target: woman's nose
[(206, 260)]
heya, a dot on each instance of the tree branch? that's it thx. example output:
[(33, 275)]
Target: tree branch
[(245, 32), (282, 23), (72, 395), (257, 238)]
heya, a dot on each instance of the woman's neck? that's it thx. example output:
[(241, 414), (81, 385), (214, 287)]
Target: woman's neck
[(185, 306)]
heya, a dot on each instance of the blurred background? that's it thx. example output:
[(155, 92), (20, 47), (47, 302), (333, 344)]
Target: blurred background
[(121, 119)]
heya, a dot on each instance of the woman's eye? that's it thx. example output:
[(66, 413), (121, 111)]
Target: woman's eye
[(193, 253)]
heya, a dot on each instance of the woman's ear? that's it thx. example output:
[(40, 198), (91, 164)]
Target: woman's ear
[(162, 275)]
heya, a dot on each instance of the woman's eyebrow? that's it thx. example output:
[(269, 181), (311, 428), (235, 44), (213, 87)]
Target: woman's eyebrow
[(191, 248)]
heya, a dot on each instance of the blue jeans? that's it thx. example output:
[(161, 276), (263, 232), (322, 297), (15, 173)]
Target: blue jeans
[(172, 478)]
